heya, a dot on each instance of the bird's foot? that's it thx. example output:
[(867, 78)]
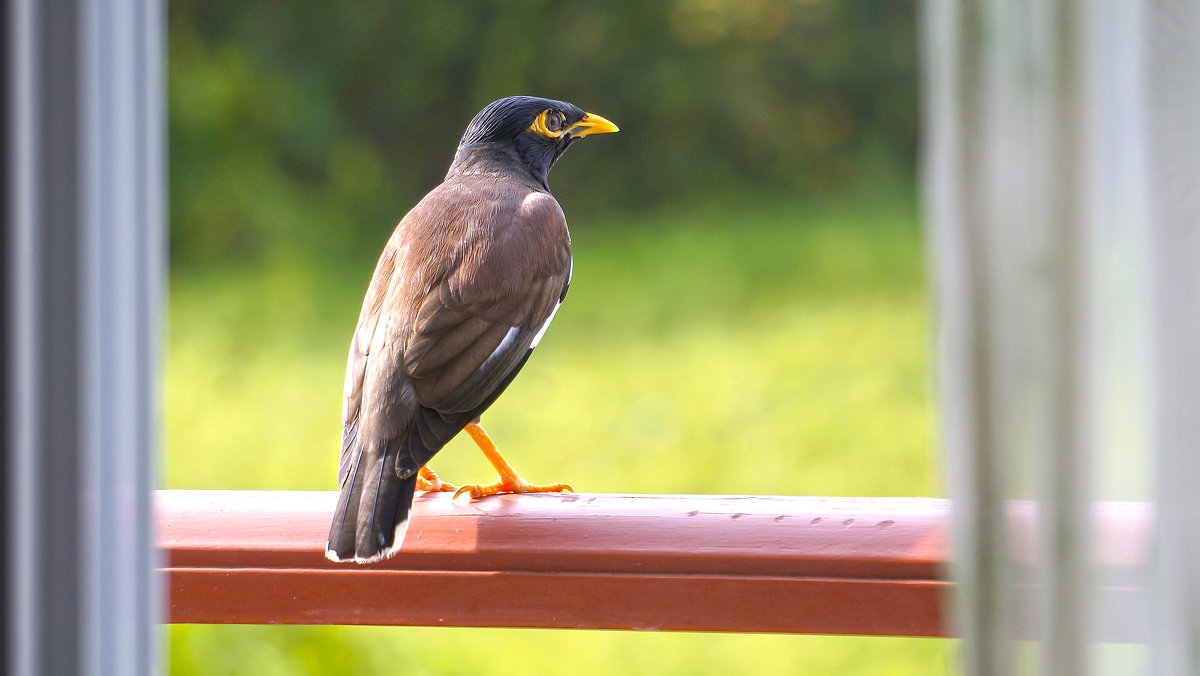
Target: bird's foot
[(428, 481), (513, 484), (507, 481)]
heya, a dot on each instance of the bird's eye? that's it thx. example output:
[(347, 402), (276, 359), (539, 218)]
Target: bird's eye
[(550, 123)]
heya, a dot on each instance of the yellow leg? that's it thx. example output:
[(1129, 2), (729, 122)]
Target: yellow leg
[(508, 481), (428, 480)]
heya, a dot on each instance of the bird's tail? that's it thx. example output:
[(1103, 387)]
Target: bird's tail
[(372, 510)]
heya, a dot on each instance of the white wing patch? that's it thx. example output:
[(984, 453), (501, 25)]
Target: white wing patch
[(537, 338), (509, 339), (542, 331)]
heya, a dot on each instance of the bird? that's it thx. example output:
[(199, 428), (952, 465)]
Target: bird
[(463, 292)]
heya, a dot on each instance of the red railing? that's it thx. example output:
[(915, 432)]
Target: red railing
[(667, 562)]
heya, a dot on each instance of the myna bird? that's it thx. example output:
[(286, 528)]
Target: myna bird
[(463, 292)]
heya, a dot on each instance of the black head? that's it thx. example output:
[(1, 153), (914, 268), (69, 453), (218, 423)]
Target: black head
[(524, 135)]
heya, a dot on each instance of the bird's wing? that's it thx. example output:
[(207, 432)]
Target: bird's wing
[(475, 328)]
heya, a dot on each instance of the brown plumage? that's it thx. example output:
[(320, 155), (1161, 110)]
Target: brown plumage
[(466, 285)]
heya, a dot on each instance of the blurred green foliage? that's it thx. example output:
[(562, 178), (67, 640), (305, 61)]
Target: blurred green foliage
[(748, 313), (784, 355), (423, 651), (301, 128)]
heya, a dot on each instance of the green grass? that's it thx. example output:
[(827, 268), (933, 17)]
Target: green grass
[(419, 651), (771, 348)]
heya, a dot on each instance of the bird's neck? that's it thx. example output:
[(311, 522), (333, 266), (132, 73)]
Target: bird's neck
[(493, 159)]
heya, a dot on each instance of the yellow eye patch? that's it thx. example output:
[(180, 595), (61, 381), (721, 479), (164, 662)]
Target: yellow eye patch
[(549, 123)]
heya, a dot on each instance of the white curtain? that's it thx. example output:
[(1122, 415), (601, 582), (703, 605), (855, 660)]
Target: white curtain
[(1062, 196)]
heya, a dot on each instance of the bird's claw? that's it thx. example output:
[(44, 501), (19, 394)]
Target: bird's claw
[(477, 491), (428, 481)]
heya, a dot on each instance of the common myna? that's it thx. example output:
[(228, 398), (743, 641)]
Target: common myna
[(463, 292)]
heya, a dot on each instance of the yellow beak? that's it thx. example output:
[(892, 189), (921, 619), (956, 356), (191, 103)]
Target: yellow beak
[(592, 124)]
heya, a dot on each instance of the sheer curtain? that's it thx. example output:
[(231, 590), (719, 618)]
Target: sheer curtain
[(1062, 192)]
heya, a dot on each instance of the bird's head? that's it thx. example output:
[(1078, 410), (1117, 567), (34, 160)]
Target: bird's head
[(524, 135)]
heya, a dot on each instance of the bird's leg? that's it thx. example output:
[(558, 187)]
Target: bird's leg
[(428, 480), (508, 481)]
